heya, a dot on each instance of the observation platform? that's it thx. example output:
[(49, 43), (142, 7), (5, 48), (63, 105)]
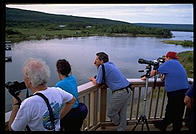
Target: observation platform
[(97, 101)]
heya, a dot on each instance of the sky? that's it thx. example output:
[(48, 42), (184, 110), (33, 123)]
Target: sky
[(132, 13)]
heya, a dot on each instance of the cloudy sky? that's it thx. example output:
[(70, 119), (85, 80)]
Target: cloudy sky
[(133, 13)]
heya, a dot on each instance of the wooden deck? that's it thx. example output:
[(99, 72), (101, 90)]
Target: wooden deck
[(110, 127)]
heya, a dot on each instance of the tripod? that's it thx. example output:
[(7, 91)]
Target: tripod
[(143, 118)]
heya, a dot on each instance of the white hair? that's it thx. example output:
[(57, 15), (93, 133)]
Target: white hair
[(36, 71)]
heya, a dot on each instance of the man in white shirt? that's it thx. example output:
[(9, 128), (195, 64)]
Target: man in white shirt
[(33, 111)]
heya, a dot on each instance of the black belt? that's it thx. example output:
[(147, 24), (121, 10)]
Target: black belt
[(129, 86), (178, 92)]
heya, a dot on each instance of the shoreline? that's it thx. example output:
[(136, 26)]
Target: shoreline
[(184, 43), (17, 40)]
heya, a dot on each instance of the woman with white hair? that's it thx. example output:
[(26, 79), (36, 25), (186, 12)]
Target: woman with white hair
[(34, 111)]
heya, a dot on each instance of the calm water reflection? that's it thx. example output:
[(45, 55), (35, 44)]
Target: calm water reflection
[(80, 52)]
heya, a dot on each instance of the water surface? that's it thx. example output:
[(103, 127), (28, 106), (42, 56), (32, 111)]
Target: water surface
[(81, 52)]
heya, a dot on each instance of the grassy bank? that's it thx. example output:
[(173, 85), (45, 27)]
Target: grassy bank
[(185, 43), (186, 59), (21, 34), (17, 34)]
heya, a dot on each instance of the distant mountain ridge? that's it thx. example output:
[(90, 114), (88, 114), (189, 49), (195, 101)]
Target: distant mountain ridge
[(13, 14)]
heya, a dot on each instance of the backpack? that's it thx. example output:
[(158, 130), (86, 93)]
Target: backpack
[(84, 110)]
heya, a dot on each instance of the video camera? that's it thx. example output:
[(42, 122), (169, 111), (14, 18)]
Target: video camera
[(155, 63), (15, 87)]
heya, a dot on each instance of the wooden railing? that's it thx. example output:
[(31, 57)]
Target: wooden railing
[(97, 101)]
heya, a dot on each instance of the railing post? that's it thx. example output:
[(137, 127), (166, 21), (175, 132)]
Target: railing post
[(150, 105), (103, 99), (95, 106), (157, 102), (132, 100), (138, 103)]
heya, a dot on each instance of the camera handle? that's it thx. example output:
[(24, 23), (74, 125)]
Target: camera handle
[(155, 81), (27, 93), (18, 99)]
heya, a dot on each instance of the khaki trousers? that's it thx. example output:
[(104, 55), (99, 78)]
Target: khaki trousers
[(117, 110)]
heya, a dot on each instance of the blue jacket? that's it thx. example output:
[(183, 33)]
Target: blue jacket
[(69, 84), (175, 75), (113, 77)]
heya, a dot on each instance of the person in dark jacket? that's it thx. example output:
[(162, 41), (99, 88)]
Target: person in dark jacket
[(189, 102)]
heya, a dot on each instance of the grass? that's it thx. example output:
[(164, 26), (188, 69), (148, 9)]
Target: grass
[(20, 34), (185, 43), (186, 59), (42, 31)]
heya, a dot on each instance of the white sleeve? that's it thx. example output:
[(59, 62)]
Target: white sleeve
[(65, 95), (21, 120)]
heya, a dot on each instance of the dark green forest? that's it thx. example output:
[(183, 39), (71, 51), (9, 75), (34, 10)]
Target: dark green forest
[(26, 25), (172, 27)]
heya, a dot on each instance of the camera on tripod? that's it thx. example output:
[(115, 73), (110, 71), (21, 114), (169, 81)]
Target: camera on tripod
[(155, 63), (15, 87)]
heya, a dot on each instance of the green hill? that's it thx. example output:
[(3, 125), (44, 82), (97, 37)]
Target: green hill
[(19, 15)]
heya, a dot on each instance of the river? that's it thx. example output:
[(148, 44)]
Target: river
[(81, 52)]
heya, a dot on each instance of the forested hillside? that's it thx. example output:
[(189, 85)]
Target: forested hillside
[(26, 25)]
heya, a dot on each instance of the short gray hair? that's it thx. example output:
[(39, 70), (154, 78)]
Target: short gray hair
[(36, 71)]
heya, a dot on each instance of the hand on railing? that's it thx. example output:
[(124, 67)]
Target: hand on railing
[(102, 86), (93, 81)]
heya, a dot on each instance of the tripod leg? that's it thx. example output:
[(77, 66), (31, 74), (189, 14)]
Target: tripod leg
[(142, 125), (147, 124), (137, 123), (143, 121)]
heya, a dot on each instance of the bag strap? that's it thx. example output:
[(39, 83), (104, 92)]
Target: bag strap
[(52, 119), (103, 73)]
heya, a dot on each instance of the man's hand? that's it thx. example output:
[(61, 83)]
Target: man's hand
[(93, 81), (92, 78), (188, 101)]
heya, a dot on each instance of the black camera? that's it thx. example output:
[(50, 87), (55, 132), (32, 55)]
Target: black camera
[(155, 63), (15, 87)]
